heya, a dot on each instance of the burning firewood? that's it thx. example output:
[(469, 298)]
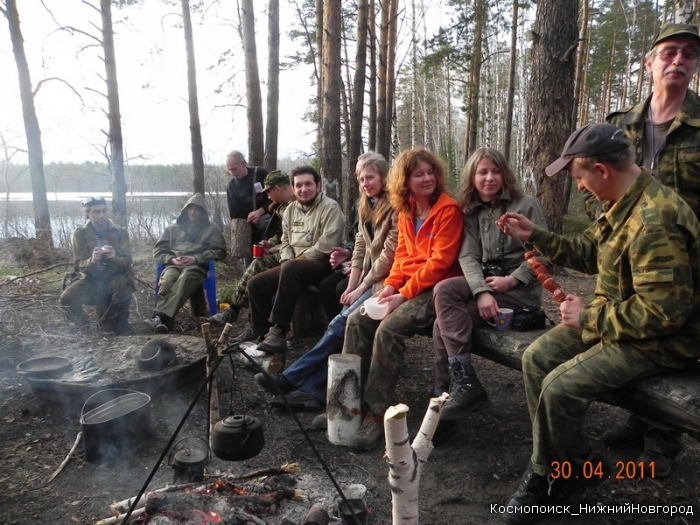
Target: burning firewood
[(287, 468), (406, 459)]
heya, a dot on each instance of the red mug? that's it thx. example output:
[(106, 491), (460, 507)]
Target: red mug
[(258, 251)]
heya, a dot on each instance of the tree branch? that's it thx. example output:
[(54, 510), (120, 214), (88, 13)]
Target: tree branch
[(39, 84), (35, 273)]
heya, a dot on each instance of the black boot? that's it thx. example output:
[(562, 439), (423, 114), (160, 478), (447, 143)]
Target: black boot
[(466, 392), (534, 490)]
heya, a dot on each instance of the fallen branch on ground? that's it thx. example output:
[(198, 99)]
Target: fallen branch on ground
[(35, 272), (65, 461)]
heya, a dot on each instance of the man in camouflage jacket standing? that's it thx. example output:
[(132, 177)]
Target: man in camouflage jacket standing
[(644, 320), (665, 130)]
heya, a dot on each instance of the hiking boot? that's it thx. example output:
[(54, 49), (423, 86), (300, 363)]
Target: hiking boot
[(274, 384), (656, 465), (320, 422), (246, 335), (623, 437), (466, 392), (275, 365), (156, 325), (297, 400), (532, 491), (371, 431), (274, 341), (227, 315), (587, 471)]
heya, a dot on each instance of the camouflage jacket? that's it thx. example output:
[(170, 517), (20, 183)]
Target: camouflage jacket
[(678, 164), (84, 242), (646, 252)]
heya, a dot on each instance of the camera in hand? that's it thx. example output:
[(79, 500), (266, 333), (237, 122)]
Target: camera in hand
[(529, 318), (493, 269)]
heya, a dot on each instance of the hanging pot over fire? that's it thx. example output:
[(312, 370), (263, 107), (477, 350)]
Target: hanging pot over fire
[(237, 438)]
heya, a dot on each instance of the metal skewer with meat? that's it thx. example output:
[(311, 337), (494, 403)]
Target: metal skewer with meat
[(543, 276)]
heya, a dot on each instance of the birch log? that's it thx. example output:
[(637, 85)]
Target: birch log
[(343, 397), (406, 459)]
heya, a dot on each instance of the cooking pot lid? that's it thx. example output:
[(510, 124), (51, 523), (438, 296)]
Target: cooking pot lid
[(238, 421), (189, 457)]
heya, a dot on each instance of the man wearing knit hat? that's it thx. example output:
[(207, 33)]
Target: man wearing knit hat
[(102, 254), (644, 319)]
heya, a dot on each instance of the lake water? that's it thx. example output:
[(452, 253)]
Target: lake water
[(149, 213)]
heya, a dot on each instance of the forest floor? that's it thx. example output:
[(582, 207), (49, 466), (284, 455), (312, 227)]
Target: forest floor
[(478, 466)]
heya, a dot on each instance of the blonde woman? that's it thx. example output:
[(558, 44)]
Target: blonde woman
[(375, 242)]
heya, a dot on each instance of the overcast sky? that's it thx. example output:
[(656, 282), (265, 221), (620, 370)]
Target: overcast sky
[(151, 69)]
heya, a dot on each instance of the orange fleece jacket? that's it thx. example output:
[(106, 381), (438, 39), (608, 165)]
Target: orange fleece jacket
[(423, 260)]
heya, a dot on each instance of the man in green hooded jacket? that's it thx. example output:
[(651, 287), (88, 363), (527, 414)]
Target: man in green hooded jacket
[(185, 248)]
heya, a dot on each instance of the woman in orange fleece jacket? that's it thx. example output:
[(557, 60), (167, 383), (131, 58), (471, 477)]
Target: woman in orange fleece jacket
[(430, 236)]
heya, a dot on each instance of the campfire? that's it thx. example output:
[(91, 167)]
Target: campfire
[(218, 499)]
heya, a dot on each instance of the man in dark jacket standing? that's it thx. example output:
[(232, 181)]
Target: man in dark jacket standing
[(102, 254), (185, 248), (245, 200)]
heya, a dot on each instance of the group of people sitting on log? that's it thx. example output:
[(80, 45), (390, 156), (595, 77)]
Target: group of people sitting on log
[(444, 266)]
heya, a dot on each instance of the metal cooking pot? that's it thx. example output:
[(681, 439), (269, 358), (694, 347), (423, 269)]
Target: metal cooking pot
[(237, 438), (44, 367), (156, 354)]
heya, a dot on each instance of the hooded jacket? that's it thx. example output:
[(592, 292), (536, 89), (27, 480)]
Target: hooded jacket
[(424, 259), (204, 241)]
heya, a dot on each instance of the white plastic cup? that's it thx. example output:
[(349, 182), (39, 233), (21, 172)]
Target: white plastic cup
[(372, 308)]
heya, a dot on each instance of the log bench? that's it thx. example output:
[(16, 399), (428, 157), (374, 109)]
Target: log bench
[(673, 399)]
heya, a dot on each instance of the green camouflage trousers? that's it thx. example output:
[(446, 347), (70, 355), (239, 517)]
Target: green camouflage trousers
[(240, 291), (382, 344), (563, 375)]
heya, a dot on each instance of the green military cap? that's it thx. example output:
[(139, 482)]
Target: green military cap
[(670, 30), (275, 178), (589, 141)]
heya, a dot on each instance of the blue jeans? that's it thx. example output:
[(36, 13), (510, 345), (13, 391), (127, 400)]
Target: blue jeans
[(310, 372)]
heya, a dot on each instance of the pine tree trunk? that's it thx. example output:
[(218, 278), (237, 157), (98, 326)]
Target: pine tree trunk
[(331, 152), (42, 219), (511, 79), (116, 159), (391, 79), (273, 84), (550, 101), (580, 61), (195, 128), (372, 38), (256, 149), (358, 99), (475, 78), (320, 59), (382, 106)]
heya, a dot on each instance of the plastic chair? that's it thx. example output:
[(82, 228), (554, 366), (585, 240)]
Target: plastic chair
[(209, 285)]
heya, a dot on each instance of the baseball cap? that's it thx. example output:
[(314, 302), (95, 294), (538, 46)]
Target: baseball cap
[(670, 30), (275, 178), (94, 201), (589, 141)]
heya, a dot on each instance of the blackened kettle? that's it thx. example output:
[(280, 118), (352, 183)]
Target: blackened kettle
[(237, 438)]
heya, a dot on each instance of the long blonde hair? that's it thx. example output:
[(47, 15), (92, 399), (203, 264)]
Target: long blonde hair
[(366, 212), (467, 193), (404, 164)]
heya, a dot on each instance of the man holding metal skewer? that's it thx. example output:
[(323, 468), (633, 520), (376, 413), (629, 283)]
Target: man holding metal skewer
[(644, 320)]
